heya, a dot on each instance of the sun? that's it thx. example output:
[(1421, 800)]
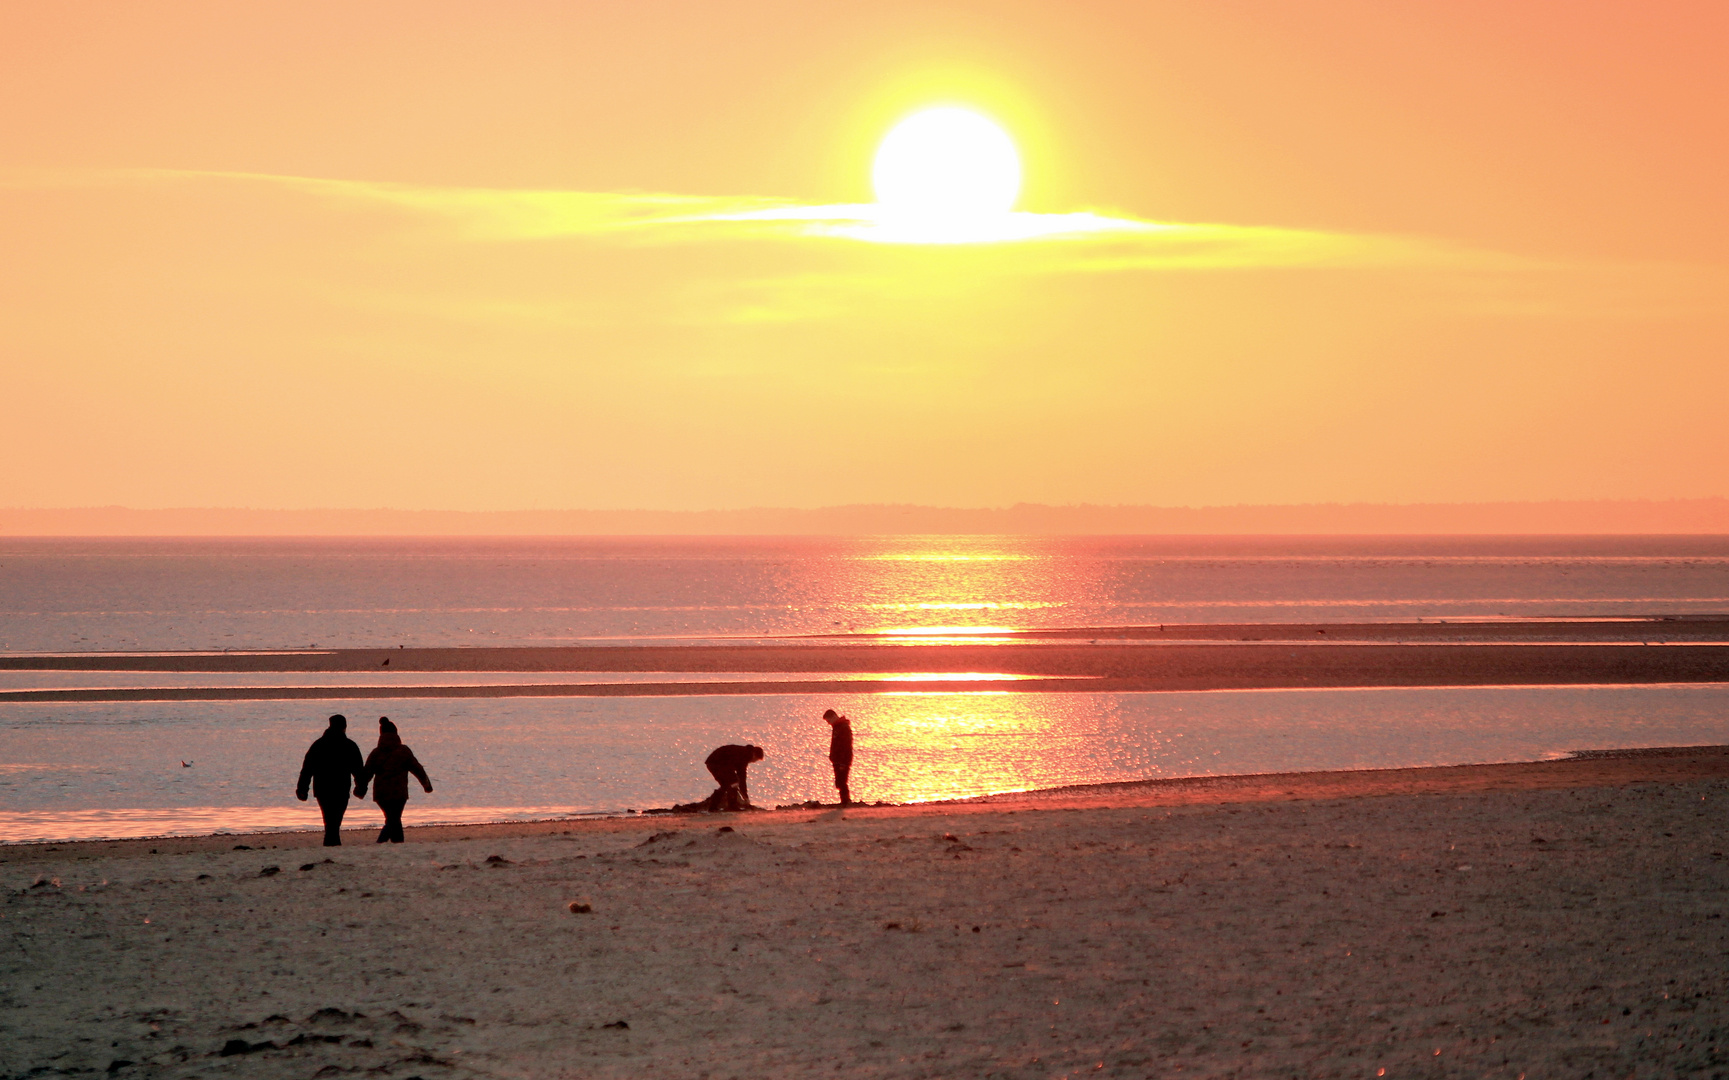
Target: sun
[(944, 167)]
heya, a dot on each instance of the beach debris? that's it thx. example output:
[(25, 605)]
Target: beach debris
[(619, 1024), (241, 1046), (119, 1063), (308, 866), (184, 764), (724, 828), (269, 870), (498, 860), (581, 907), (242, 847), (332, 1015), (1437, 914)]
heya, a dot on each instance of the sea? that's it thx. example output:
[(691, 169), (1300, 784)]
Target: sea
[(71, 771)]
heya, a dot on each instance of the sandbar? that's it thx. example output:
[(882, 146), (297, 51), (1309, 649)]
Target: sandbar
[(1118, 660)]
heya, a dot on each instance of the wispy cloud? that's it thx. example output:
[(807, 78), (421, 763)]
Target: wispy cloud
[(1083, 241)]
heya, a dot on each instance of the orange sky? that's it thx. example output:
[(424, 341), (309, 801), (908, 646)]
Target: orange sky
[(418, 255)]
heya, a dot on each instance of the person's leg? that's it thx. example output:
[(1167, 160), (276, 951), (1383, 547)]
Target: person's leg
[(384, 832), (333, 808), (841, 770), (724, 778), (392, 821)]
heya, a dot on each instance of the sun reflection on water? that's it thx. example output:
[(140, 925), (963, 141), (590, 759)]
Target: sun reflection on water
[(1005, 584), (930, 745)]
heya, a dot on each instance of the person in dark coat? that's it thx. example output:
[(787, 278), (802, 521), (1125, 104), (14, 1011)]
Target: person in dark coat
[(388, 768), (727, 766), (331, 766), (840, 752)]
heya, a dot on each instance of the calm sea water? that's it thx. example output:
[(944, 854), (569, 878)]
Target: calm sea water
[(79, 770), (268, 594)]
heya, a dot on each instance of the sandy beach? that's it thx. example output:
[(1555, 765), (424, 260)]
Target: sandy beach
[(1546, 919)]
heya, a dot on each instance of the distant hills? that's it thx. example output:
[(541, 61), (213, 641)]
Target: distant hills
[(1683, 516)]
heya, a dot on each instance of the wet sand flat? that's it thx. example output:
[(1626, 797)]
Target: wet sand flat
[(1059, 666), (1552, 918)]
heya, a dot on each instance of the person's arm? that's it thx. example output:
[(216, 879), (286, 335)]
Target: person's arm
[(305, 780), (356, 769), (366, 774), (743, 782), (419, 771)]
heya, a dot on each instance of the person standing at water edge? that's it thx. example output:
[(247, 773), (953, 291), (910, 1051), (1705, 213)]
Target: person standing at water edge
[(332, 763), (387, 767), (840, 752)]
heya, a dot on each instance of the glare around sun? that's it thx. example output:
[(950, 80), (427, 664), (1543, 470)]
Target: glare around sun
[(945, 175)]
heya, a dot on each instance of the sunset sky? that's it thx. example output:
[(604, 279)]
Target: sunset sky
[(585, 255)]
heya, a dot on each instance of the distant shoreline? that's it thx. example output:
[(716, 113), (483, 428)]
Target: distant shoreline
[(1620, 517), (1584, 769)]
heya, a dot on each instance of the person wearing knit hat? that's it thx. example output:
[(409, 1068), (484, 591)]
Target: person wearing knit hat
[(387, 769)]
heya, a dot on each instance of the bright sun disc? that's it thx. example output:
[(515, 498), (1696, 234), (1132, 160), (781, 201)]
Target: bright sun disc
[(944, 164)]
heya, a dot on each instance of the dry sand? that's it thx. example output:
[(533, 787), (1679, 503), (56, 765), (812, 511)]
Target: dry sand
[(1553, 919)]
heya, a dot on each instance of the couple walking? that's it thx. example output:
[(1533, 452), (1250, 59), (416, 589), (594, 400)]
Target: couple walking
[(333, 759)]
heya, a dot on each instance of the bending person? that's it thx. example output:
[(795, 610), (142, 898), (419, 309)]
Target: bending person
[(332, 764), (387, 767), (727, 766)]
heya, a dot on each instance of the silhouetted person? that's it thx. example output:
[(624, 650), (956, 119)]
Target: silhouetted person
[(727, 766), (332, 764), (840, 752), (387, 767)]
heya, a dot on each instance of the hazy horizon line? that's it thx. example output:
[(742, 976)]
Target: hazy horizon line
[(1697, 516)]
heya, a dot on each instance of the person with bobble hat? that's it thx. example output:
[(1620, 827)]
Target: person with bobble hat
[(387, 769)]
